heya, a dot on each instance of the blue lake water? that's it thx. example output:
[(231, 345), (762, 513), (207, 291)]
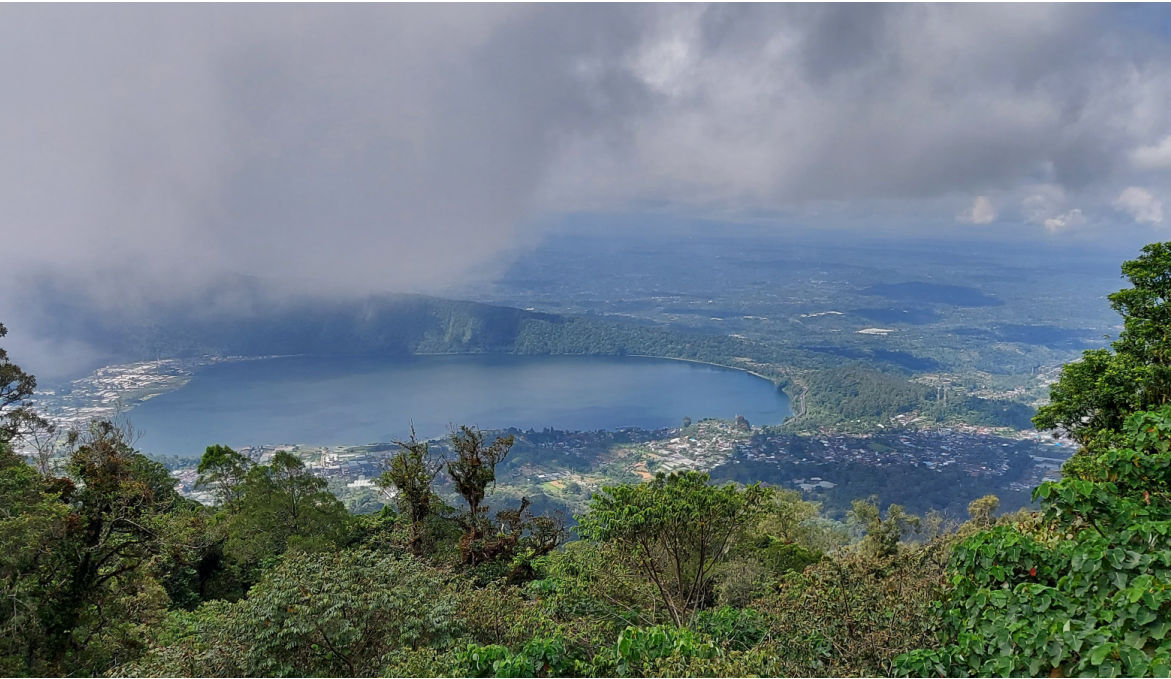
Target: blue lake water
[(347, 400)]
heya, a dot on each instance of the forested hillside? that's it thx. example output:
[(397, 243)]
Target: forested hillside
[(106, 570)]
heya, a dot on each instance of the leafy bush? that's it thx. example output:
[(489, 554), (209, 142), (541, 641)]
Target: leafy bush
[(739, 628), (340, 614), (1086, 590), (640, 650), (539, 657)]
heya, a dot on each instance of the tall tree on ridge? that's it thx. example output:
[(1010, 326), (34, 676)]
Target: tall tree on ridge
[(1096, 394), (472, 470), (16, 389), (411, 472)]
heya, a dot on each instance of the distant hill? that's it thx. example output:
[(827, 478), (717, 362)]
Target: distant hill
[(390, 324), (238, 318)]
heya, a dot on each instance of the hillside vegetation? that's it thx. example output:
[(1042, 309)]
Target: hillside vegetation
[(106, 570)]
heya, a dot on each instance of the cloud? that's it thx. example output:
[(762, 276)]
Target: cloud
[(1140, 204), (980, 212), (770, 106), (151, 152), (1064, 221), (1043, 202), (1046, 206), (1153, 157)]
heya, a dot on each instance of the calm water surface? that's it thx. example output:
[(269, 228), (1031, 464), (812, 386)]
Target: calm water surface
[(346, 400)]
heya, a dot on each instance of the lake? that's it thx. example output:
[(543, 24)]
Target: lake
[(350, 401)]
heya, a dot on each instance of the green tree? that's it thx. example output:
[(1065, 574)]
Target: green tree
[(411, 473), (83, 557), (882, 533), (34, 523), (223, 470), (472, 471), (119, 500), (982, 510), (523, 538), (16, 390), (283, 505), (853, 614), (1096, 394), (324, 614), (677, 529), (786, 538), (787, 518), (593, 589)]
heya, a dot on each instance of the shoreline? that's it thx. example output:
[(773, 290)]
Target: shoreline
[(775, 382), (120, 388)]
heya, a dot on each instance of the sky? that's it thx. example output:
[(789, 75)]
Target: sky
[(149, 152)]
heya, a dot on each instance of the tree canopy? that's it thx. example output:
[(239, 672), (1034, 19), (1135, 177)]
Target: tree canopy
[(677, 528), (1095, 395), (16, 390)]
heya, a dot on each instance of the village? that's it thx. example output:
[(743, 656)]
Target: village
[(579, 462)]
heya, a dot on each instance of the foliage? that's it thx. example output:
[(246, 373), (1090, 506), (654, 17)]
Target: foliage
[(1092, 397), (850, 616), (780, 558), (1085, 588), (1095, 395), (857, 391), (736, 628), (982, 509), (16, 390), (523, 539), (882, 533), (472, 471), (34, 526), (283, 505), (787, 518), (223, 470), (983, 412), (337, 614), (592, 592), (205, 642), (638, 652), (538, 657), (82, 558), (677, 528), (411, 473)]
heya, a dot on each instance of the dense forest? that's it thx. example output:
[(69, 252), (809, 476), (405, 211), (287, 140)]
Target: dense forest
[(106, 570)]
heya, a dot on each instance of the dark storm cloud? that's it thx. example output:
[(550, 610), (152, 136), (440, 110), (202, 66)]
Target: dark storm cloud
[(148, 151), (784, 105)]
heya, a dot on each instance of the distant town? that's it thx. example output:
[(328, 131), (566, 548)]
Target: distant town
[(564, 463)]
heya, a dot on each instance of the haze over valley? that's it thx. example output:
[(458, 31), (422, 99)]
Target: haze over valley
[(920, 337), (585, 340)]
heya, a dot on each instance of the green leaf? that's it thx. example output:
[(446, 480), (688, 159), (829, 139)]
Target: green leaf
[(1099, 653)]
